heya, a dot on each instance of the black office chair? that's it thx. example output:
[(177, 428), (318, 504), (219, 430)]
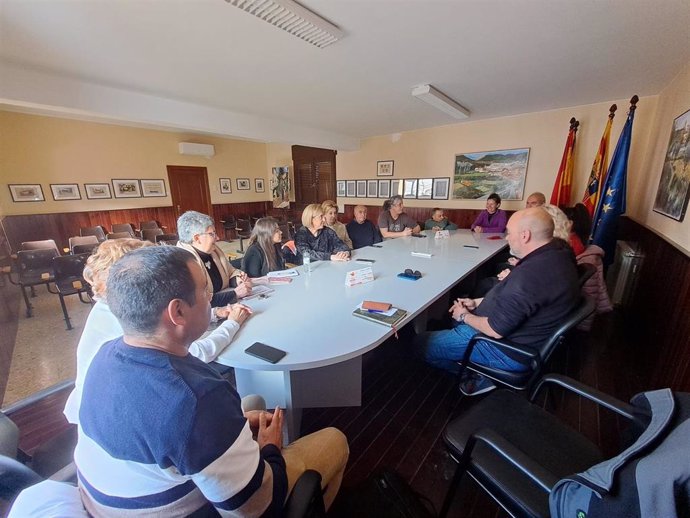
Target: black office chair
[(124, 227), (534, 358), (517, 451), (229, 224), (149, 234), (244, 231), (148, 225), (69, 280), (35, 268), (285, 229), (119, 235), (81, 241), (167, 239), (584, 272), (93, 231), (84, 249), (39, 245)]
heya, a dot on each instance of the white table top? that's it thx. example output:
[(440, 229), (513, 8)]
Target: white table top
[(311, 318)]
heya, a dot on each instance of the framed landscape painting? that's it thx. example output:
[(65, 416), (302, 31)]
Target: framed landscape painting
[(479, 174), (26, 192), (153, 188), (127, 188), (97, 191), (673, 192), (65, 191)]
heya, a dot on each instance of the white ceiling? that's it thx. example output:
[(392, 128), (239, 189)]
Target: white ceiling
[(206, 66)]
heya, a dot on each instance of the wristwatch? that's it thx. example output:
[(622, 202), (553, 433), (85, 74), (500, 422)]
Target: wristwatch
[(462, 318)]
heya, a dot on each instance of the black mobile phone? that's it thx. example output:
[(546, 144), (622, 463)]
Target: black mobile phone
[(265, 352), (377, 246)]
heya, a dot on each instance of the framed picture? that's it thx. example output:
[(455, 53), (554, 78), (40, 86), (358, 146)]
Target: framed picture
[(361, 188), (153, 188), (410, 188), (126, 188), (479, 174), (225, 186), (351, 188), (243, 184), (673, 192), (396, 187), (340, 188), (259, 185), (65, 191), (384, 188), (372, 188), (280, 187), (384, 168), (26, 192), (97, 191), (440, 189), (424, 190)]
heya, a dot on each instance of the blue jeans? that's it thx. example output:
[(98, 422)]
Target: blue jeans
[(444, 349)]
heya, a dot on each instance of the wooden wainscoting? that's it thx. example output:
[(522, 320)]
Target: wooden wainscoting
[(658, 318)]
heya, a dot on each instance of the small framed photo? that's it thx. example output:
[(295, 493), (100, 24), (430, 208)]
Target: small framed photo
[(396, 188), (65, 191), (424, 188), (440, 190), (372, 188), (97, 191), (384, 188), (259, 185), (340, 189), (153, 188), (225, 186), (243, 184), (410, 188), (127, 188), (26, 192), (384, 168), (351, 188), (361, 188)]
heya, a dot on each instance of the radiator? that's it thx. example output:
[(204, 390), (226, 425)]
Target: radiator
[(622, 276)]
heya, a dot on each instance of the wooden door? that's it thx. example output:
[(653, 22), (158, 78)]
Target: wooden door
[(314, 175), (189, 189)]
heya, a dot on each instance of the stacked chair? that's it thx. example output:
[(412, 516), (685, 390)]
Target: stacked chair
[(69, 280), (93, 231)]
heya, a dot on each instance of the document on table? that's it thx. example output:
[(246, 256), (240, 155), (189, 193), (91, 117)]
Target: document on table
[(259, 291), (292, 272)]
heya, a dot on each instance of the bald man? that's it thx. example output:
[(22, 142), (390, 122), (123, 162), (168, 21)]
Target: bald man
[(362, 231), (536, 199), (525, 308)]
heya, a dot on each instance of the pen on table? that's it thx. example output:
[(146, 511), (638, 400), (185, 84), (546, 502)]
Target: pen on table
[(377, 246), (471, 246), (374, 311)]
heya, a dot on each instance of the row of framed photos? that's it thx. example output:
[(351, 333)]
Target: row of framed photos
[(243, 184), (411, 188), (94, 191)]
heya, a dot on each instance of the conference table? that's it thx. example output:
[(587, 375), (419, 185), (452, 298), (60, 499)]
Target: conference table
[(311, 319)]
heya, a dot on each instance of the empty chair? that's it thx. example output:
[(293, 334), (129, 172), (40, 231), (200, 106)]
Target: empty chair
[(254, 219), (229, 224), (148, 225), (93, 231), (244, 231), (85, 249), (167, 239), (82, 240), (69, 280), (39, 245), (35, 268), (123, 227), (119, 235), (149, 234)]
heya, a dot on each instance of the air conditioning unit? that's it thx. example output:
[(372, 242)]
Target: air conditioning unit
[(623, 274), (190, 148)]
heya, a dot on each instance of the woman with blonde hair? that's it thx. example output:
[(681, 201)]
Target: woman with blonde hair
[(264, 254), (330, 210), (102, 326), (561, 223), (318, 241)]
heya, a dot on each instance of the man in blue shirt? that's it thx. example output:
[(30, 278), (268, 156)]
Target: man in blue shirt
[(362, 232)]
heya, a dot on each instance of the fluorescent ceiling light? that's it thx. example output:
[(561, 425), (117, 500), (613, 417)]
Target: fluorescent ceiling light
[(429, 94), (293, 18)]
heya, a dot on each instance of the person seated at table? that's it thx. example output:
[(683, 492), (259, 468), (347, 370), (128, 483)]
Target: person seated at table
[(197, 234), (317, 240), (493, 219), (330, 211), (102, 326), (536, 199), (264, 253), (393, 222), (162, 433), (525, 308), (362, 231), (438, 221), (580, 227)]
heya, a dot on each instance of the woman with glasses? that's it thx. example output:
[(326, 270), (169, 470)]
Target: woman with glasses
[(393, 222), (197, 234), (316, 240), (264, 254)]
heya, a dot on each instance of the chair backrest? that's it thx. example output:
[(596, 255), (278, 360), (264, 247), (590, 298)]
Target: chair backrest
[(123, 227), (9, 437), (285, 229), (584, 272), (244, 227), (167, 239), (582, 310), (148, 225), (119, 235), (93, 231), (82, 240), (39, 245), (149, 234), (41, 260), (85, 249), (229, 222), (69, 273)]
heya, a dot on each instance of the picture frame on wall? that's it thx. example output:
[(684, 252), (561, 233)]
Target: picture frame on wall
[(410, 188), (361, 188), (23, 192), (126, 188), (424, 188), (97, 191), (396, 188), (65, 191), (441, 187), (351, 188), (259, 185), (673, 192), (153, 188), (340, 189), (225, 185), (384, 168), (243, 184), (384, 188), (372, 188), (478, 174)]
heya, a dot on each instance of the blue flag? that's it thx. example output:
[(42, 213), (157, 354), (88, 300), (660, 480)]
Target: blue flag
[(612, 199)]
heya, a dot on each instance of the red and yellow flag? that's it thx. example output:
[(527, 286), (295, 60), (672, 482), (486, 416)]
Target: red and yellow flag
[(564, 180), (596, 176)]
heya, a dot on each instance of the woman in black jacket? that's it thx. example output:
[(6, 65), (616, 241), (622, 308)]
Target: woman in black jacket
[(264, 253)]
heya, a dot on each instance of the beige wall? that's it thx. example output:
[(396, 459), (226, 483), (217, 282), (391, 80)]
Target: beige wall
[(45, 150)]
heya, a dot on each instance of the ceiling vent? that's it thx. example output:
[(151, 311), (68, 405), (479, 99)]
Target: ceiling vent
[(293, 18), (190, 148)]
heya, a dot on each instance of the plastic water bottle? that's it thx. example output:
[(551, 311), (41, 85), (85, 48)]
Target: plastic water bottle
[(306, 261)]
